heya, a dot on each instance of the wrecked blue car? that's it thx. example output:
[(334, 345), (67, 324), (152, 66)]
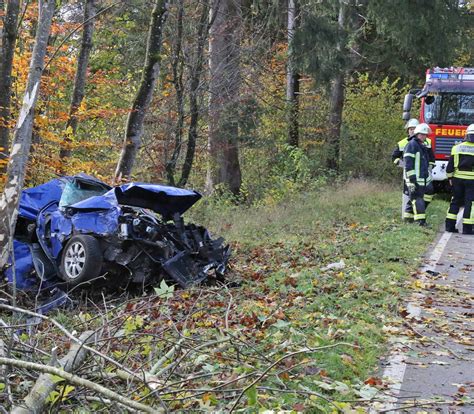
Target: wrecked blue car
[(79, 229)]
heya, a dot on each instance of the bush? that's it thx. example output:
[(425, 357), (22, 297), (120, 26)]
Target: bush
[(372, 127)]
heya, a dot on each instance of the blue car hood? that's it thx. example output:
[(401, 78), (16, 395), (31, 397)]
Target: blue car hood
[(162, 199)]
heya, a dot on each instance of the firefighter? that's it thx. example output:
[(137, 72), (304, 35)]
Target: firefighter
[(397, 159), (418, 158), (397, 154), (460, 172)]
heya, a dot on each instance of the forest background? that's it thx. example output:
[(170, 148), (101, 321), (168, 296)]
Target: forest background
[(255, 98)]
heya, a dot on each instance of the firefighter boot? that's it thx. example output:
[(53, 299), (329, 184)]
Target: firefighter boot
[(451, 226), (422, 223), (467, 229)]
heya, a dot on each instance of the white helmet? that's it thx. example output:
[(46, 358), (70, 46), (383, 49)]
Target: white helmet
[(412, 123), (422, 129), (470, 133)]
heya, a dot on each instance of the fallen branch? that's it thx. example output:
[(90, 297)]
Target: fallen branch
[(82, 382), (36, 399), (107, 402), (68, 334), (437, 343), (301, 351), (415, 405), (164, 358)]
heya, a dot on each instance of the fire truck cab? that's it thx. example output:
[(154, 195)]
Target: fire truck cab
[(447, 105)]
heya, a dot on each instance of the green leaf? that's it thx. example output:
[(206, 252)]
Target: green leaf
[(57, 379), (367, 392), (251, 395), (164, 291), (281, 324)]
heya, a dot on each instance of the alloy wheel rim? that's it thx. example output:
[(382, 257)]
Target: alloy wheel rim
[(75, 260)]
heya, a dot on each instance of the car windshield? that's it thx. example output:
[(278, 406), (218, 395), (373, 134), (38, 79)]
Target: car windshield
[(76, 191), (450, 109)]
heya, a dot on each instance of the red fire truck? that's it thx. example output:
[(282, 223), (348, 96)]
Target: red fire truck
[(447, 105)]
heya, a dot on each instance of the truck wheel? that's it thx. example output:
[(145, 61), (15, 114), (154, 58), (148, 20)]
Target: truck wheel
[(81, 260)]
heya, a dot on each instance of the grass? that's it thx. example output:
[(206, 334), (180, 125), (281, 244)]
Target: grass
[(282, 251)]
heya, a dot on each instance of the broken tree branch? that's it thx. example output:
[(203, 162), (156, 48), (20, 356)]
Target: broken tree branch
[(301, 351), (36, 399), (82, 382), (165, 357), (419, 334), (68, 334)]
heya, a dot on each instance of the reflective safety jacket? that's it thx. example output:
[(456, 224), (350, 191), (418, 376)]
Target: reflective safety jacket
[(461, 161), (397, 154), (418, 158)]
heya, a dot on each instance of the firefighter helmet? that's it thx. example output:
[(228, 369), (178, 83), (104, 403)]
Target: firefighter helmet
[(470, 133), (412, 123), (422, 129)]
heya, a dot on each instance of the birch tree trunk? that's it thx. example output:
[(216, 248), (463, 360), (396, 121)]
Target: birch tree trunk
[(292, 78), (7, 50), (224, 48), (22, 139), (80, 78), (151, 70)]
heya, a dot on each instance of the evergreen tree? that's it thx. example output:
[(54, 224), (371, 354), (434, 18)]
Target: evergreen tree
[(401, 38)]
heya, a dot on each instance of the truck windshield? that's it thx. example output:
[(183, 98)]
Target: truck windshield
[(450, 109)]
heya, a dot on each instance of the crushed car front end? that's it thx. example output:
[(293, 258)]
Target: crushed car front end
[(131, 233)]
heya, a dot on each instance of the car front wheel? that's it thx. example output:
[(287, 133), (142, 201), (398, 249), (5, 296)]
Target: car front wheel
[(81, 260)]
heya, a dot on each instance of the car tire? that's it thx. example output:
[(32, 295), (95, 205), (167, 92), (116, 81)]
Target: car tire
[(81, 260)]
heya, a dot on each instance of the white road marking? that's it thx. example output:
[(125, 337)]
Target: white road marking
[(396, 365), (459, 219)]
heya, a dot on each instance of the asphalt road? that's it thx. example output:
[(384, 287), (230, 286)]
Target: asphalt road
[(431, 366)]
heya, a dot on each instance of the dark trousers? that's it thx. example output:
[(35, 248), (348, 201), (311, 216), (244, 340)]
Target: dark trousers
[(408, 213), (419, 200), (463, 194)]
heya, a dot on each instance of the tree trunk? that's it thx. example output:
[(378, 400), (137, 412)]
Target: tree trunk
[(7, 51), (292, 78), (224, 45), (151, 70), (335, 121), (177, 68), (80, 79), (22, 139), (336, 103), (196, 71)]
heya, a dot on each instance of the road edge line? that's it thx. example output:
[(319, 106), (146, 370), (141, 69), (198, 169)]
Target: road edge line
[(394, 372)]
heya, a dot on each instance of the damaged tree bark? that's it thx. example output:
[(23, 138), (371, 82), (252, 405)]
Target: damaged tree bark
[(7, 50), (151, 70), (35, 401), (80, 79), (22, 141)]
